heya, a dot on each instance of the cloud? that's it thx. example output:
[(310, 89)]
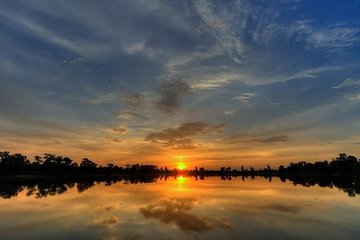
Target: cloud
[(263, 140), (38, 30), (114, 133), (334, 37), (221, 22), (119, 130), (330, 37), (245, 96), (236, 24), (118, 140), (178, 211), (171, 92), (272, 139), (130, 115), (180, 137), (230, 112), (353, 97), (348, 83), (105, 98), (134, 99), (212, 79), (188, 59), (227, 77)]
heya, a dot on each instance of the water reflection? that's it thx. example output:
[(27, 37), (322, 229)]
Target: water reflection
[(349, 185), (51, 186), (179, 211), (281, 208), (175, 208)]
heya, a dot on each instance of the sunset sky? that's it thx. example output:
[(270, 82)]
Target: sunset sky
[(206, 83)]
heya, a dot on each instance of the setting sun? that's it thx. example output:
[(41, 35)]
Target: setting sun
[(180, 163), (181, 166)]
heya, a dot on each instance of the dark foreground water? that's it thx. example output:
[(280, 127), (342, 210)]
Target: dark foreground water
[(179, 208)]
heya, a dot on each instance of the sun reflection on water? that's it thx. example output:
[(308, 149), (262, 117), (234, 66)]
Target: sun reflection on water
[(181, 179), (180, 182)]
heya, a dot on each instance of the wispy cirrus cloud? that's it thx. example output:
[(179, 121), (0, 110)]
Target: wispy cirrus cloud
[(221, 26), (335, 37), (32, 27), (331, 37), (353, 97), (262, 140), (272, 139), (238, 24), (244, 96), (348, 83)]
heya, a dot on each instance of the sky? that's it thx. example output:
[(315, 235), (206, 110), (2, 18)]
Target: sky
[(209, 83)]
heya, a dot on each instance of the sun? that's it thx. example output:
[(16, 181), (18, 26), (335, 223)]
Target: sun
[(181, 166), (180, 163)]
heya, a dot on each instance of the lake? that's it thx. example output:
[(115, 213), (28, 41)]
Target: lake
[(178, 208)]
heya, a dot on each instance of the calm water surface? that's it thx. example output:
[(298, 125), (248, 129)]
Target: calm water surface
[(182, 208)]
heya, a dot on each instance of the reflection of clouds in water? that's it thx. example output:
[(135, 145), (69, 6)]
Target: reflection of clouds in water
[(107, 221), (111, 208), (278, 207), (177, 210), (249, 206), (282, 208)]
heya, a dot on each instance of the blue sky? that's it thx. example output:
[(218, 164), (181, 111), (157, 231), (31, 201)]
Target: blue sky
[(213, 83)]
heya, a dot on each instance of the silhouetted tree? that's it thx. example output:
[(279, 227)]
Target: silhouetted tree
[(87, 164), (13, 162)]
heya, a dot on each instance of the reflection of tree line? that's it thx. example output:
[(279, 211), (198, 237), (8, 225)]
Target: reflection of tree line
[(342, 172), (348, 184), (43, 186)]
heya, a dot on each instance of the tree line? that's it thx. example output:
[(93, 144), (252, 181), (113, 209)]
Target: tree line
[(50, 164), (340, 165)]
